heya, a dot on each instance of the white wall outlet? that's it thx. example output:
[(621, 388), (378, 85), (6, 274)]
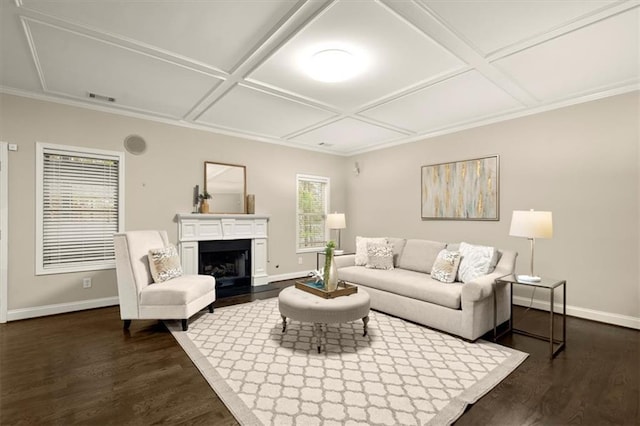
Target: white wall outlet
[(299, 260), (86, 283), (13, 147)]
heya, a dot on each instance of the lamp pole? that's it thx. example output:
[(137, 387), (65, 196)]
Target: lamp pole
[(533, 246)]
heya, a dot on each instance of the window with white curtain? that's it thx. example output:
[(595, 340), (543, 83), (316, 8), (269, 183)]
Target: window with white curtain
[(79, 206), (312, 207)]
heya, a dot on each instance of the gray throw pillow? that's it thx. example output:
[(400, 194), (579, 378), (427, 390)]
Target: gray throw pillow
[(445, 268), (379, 256)]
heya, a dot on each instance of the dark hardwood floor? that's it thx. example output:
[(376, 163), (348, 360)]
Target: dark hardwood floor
[(82, 368)]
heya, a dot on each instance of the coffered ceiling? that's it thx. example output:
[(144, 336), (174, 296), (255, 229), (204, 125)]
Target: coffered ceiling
[(234, 67)]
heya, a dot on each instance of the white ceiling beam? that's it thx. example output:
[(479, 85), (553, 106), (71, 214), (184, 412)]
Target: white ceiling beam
[(298, 17), (565, 28), (425, 20)]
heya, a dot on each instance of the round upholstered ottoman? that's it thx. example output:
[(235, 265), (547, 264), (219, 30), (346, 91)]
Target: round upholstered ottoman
[(306, 307)]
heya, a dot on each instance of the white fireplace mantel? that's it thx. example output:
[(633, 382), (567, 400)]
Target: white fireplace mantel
[(195, 227)]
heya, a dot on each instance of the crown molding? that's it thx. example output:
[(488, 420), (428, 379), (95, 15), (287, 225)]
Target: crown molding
[(634, 86)]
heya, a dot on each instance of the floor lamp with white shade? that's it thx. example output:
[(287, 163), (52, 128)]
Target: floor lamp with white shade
[(531, 224)]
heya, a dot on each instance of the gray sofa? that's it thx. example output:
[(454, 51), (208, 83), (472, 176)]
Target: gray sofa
[(408, 291)]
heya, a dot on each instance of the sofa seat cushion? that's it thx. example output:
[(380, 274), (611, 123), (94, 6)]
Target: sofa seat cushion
[(177, 291), (415, 285)]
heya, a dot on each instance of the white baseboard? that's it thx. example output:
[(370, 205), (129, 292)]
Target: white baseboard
[(289, 276), (575, 311), (60, 308)]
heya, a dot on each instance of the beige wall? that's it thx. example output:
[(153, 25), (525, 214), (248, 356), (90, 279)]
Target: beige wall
[(580, 162), (159, 184)]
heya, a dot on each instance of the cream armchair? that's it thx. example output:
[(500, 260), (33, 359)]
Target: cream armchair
[(140, 298)]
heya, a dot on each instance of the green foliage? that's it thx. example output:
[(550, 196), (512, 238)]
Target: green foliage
[(328, 258), (331, 245)]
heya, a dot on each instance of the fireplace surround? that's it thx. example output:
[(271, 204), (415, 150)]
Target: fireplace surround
[(225, 229)]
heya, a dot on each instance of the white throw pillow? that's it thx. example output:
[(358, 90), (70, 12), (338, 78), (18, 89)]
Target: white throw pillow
[(476, 261), (164, 263), (380, 256), (446, 266), (361, 249)]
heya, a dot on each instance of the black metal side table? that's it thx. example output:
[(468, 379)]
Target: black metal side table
[(321, 253), (555, 345)]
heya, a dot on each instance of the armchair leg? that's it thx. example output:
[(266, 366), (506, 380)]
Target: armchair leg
[(185, 325), (126, 325), (211, 308)]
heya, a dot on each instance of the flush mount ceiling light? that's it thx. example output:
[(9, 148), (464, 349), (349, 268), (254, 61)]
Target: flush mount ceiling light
[(333, 65)]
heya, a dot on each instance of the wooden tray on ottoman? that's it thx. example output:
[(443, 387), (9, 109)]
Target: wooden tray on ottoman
[(344, 289)]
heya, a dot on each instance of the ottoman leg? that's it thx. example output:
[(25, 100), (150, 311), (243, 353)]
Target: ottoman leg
[(365, 321), (284, 323), (318, 332)]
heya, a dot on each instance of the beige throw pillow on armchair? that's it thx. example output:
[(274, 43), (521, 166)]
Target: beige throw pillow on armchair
[(164, 263)]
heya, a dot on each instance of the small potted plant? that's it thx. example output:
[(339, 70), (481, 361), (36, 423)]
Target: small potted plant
[(204, 204)]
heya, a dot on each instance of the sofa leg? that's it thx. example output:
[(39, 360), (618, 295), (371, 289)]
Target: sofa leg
[(211, 308), (185, 324), (126, 324)]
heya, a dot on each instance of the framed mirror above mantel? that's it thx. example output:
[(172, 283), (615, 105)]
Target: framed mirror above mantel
[(227, 185)]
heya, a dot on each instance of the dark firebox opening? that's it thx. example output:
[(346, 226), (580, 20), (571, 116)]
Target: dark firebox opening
[(229, 261)]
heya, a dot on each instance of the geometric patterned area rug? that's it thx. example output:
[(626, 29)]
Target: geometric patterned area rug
[(400, 373)]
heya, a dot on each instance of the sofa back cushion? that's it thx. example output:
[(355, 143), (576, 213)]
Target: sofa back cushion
[(453, 246), (398, 246), (419, 255)]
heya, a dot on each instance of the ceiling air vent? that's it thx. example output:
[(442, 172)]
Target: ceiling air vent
[(101, 97), (325, 144)]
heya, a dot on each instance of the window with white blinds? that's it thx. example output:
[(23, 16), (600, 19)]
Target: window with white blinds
[(79, 208), (312, 202)]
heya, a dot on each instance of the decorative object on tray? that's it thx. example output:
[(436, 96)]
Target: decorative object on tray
[(461, 190), (204, 204), (317, 288), (330, 271)]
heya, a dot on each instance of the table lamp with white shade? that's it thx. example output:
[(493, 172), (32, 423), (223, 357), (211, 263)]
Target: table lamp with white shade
[(337, 221), (531, 224)]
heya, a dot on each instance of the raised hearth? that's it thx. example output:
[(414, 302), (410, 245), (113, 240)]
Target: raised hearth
[(194, 228)]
